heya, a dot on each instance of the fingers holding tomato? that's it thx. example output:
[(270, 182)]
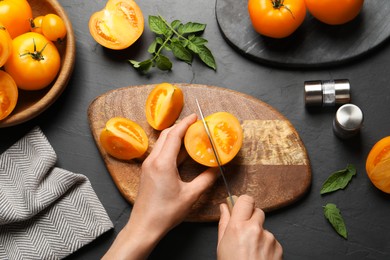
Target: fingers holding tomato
[(276, 18)]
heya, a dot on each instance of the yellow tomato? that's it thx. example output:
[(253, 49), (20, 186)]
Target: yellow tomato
[(5, 45), (164, 105), (8, 94), (15, 15), (124, 139), (227, 135), (378, 164)]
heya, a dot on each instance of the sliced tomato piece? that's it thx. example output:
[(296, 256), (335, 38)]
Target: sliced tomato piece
[(124, 139), (8, 94), (164, 105), (378, 164), (118, 25), (5, 45), (227, 135)]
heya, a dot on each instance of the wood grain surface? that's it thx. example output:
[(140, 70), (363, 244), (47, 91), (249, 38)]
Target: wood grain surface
[(32, 103), (313, 44), (272, 165)]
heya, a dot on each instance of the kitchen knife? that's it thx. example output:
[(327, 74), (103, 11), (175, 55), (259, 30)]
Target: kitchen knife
[(231, 198)]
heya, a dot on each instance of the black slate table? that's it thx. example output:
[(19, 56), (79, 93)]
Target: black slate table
[(301, 228)]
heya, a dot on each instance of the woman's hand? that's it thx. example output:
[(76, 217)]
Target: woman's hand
[(163, 199), (241, 235)]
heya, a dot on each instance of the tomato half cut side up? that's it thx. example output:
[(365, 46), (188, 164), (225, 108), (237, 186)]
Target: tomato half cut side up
[(378, 164), (8, 94), (118, 25), (164, 105), (227, 135), (124, 139)]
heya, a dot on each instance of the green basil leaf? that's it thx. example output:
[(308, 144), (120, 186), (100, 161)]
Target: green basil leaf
[(163, 63), (157, 25), (207, 57), (338, 180), (192, 28), (333, 215), (180, 52)]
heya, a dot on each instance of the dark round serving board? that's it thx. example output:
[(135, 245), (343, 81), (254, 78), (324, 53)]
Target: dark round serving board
[(314, 44)]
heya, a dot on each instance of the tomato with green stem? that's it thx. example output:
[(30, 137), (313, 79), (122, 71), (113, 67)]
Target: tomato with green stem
[(34, 62), (276, 18)]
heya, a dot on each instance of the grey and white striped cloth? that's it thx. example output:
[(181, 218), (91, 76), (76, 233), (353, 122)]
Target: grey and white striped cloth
[(45, 212)]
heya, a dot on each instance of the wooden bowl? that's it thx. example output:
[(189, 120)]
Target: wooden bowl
[(32, 103)]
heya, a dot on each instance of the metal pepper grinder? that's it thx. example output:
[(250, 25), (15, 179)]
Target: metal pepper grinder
[(327, 92), (348, 121)]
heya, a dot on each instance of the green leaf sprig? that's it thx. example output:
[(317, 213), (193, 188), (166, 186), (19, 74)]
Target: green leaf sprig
[(181, 39), (338, 180), (332, 213)]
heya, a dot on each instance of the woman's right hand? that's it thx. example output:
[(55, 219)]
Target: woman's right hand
[(241, 234)]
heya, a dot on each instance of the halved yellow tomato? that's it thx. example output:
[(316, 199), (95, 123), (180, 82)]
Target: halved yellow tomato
[(164, 105), (5, 45), (227, 135), (378, 164), (124, 139), (118, 25), (8, 94)]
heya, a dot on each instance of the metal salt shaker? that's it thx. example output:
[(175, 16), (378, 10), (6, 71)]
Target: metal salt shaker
[(348, 121), (327, 92)]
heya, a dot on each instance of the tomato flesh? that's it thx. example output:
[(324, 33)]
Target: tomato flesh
[(118, 25), (227, 135), (378, 164), (164, 105), (8, 94), (124, 139)]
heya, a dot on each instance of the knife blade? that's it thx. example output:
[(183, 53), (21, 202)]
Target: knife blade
[(231, 199)]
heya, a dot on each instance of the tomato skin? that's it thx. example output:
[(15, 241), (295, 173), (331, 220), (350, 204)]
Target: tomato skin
[(124, 139), (53, 27), (28, 72), (164, 105), (227, 135), (5, 45), (15, 15), (118, 25), (276, 18), (378, 164), (334, 12), (36, 24), (8, 94)]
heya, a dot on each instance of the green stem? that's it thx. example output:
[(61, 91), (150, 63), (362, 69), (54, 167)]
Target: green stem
[(36, 55)]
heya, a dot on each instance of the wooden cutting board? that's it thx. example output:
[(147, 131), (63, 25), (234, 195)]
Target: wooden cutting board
[(314, 44), (272, 165)]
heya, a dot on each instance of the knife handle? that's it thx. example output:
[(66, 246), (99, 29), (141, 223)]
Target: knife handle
[(230, 204)]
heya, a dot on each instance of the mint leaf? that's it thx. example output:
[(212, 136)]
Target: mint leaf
[(333, 215), (152, 47), (142, 66), (157, 25), (338, 180)]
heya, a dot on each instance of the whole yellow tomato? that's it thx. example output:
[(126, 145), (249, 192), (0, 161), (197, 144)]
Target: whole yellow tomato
[(334, 12), (34, 62), (53, 27), (15, 15), (36, 24), (5, 45), (276, 18)]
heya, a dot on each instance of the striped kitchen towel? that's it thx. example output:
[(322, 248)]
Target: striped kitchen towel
[(45, 212)]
